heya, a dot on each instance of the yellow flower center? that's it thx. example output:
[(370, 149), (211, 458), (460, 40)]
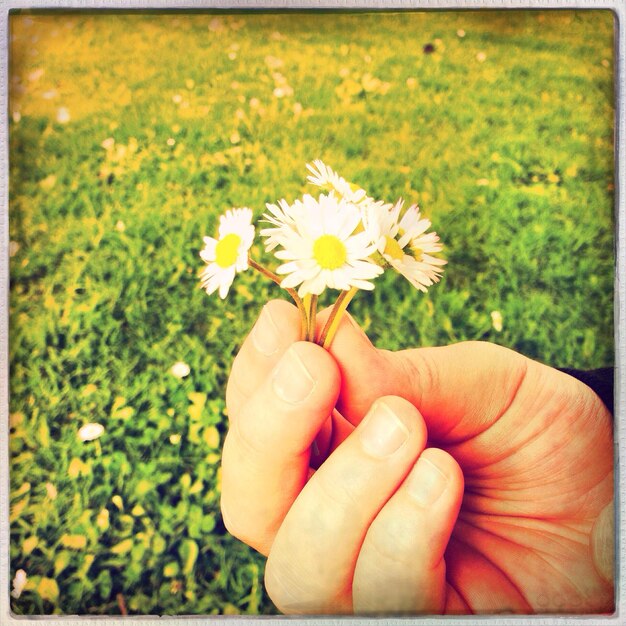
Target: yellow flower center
[(329, 252), (417, 253), (393, 249), (227, 249)]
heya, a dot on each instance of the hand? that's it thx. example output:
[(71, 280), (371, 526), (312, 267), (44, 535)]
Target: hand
[(380, 533)]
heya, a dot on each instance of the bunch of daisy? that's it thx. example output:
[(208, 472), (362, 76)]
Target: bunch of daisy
[(342, 240)]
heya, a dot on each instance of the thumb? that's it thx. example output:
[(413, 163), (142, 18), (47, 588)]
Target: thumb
[(460, 389), (463, 388), (400, 568), (603, 542)]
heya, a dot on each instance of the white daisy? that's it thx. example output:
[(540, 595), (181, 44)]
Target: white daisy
[(19, 582), (91, 431), (180, 369), (496, 321), (404, 243), (320, 246), (281, 216), (323, 176), (228, 254)]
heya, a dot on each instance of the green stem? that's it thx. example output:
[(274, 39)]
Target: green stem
[(292, 292), (332, 324)]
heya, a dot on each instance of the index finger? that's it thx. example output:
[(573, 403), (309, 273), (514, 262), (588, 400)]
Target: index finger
[(277, 327)]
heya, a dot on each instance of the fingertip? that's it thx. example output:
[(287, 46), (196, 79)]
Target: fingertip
[(277, 326), (446, 463), (436, 480), (404, 411), (283, 310), (318, 364)]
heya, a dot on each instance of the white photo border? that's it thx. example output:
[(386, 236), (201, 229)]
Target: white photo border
[(618, 7)]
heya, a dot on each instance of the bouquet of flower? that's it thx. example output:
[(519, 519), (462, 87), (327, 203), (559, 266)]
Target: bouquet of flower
[(341, 240)]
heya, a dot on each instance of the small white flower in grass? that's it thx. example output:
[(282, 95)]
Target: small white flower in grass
[(404, 243), (63, 115), (19, 582), (320, 246), (496, 321), (180, 369), (90, 432), (35, 75), (227, 255), (326, 178)]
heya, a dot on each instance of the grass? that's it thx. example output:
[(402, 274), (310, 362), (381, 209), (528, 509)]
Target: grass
[(131, 133)]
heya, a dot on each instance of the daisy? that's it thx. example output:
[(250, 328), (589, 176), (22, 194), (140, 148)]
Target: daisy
[(91, 432), (282, 217), (323, 176), (180, 369), (404, 243), (227, 255), (19, 582), (320, 246)]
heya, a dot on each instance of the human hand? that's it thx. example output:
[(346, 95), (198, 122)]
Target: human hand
[(534, 446)]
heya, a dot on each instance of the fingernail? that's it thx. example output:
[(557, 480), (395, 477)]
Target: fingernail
[(382, 433), (426, 482), (265, 334), (292, 381)]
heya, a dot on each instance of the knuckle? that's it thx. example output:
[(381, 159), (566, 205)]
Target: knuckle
[(278, 586), (245, 516), (244, 527), (337, 495), (385, 544), (229, 518), (289, 589), (250, 445), (236, 389), (417, 368)]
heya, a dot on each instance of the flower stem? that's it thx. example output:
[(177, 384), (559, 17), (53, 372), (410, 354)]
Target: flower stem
[(306, 303), (332, 324), (312, 318), (292, 292), (267, 273)]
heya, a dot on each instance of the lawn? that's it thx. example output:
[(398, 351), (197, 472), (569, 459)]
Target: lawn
[(131, 133)]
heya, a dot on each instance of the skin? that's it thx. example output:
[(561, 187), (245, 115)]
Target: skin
[(461, 479)]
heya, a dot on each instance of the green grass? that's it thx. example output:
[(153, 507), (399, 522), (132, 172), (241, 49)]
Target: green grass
[(504, 136)]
